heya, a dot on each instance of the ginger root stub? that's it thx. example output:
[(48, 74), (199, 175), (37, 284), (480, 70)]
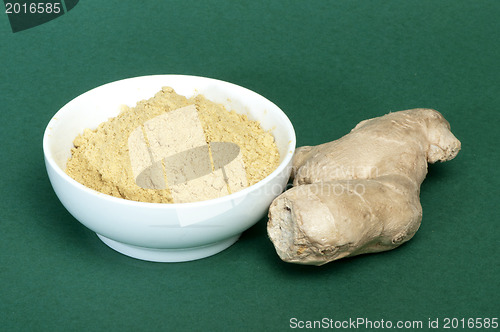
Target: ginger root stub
[(360, 193)]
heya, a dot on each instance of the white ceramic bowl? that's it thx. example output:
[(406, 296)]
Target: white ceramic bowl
[(154, 231)]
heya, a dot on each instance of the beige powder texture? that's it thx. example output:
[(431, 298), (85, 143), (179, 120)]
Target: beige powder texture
[(100, 158)]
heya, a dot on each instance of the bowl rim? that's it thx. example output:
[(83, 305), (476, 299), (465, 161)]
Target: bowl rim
[(49, 160)]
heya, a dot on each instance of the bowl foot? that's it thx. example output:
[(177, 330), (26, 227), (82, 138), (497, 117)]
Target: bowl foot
[(169, 255)]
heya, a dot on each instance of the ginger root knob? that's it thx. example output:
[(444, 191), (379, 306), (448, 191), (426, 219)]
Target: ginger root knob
[(360, 193)]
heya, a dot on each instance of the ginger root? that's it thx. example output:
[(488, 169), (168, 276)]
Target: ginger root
[(360, 193)]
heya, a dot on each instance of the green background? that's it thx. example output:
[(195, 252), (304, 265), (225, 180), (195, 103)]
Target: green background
[(328, 65)]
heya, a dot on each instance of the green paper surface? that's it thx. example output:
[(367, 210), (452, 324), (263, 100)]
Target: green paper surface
[(327, 65)]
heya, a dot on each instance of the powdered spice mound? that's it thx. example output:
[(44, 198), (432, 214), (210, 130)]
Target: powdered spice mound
[(101, 161)]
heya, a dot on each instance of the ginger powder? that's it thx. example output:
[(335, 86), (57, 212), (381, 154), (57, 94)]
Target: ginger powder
[(173, 149)]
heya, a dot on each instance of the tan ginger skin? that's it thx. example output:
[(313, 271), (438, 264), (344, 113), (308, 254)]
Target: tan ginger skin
[(360, 193)]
